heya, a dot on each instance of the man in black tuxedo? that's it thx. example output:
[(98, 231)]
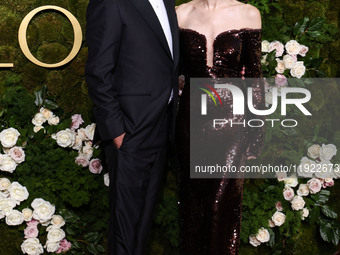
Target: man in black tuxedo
[(131, 73)]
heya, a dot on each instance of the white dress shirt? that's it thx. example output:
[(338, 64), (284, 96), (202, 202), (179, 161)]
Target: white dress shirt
[(159, 8)]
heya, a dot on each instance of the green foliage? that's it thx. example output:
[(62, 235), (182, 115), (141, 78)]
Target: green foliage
[(12, 104), (167, 216), (50, 172)]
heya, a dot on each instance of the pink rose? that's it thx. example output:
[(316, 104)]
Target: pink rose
[(64, 245), (314, 185), (32, 223), (328, 183), (278, 46), (278, 206), (303, 50), (95, 166), (31, 232), (288, 193), (82, 160), (17, 154), (280, 80), (76, 121)]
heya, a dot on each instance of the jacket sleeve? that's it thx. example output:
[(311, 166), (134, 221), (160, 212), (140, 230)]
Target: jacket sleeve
[(253, 75), (103, 36)]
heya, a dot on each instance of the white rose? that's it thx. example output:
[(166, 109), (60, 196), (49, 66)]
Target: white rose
[(53, 120), (325, 170), (39, 119), (314, 151), (15, 218), (89, 131), (253, 241), (5, 150), (57, 221), (303, 50), (305, 167), (288, 61), (278, 46), (7, 205), (106, 179), (298, 203), (264, 60), (305, 213), (36, 129), (314, 185), (268, 98), (55, 234), (2, 215), (271, 224), (45, 223), (18, 192), (43, 210), (82, 160), (89, 143), (32, 246), (280, 68), (78, 143), (281, 176), (288, 193), (5, 184), (278, 218), (27, 213), (47, 113), (66, 138), (81, 134), (8, 164), (87, 151), (263, 235), (298, 69), (327, 151), (265, 46), (303, 190), (291, 181), (51, 246), (3, 195), (293, 47), (336, 173), (9, 137), (17, 154)]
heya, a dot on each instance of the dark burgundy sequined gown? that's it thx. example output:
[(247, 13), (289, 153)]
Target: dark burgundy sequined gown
[(210, 209)]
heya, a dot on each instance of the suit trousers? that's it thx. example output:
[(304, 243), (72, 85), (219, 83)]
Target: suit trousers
[(135, 178)]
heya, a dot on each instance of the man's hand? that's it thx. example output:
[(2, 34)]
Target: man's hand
[(181, 83), (118, 140)]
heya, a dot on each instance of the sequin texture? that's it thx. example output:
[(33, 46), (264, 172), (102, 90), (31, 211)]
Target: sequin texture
[(210, 209)]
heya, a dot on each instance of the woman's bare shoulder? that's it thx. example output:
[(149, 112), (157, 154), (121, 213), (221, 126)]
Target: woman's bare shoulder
[(251, 15), (183, 12)]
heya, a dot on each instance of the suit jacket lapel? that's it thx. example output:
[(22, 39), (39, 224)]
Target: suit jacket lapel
[(174, 28), (148, 14)]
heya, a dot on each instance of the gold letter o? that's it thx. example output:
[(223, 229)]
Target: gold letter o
[(78, 37)]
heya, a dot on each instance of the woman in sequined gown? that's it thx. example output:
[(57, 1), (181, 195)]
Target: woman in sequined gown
[(218, 39)]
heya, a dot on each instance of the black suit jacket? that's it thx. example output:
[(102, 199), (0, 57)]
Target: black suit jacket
[(129, 71)]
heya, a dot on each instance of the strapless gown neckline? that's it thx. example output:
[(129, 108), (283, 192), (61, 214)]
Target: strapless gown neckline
[(234, 30), (220, 35)]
